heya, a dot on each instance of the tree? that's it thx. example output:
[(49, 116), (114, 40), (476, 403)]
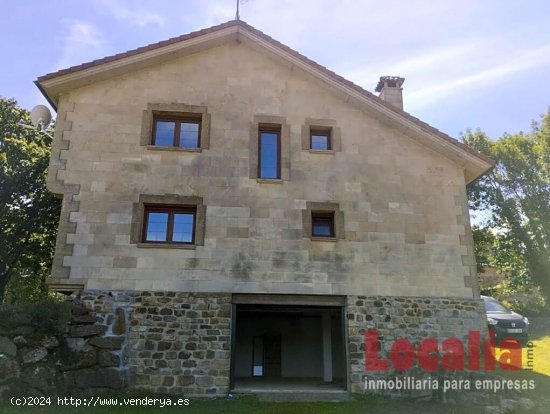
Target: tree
[(500, 250), (516, 194), (29, 213)]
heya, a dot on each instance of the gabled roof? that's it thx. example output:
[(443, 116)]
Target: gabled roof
[(53, 84)]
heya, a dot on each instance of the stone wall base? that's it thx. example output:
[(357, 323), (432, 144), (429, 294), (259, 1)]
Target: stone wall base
[(180, 342), (175, 343), (412, 318)]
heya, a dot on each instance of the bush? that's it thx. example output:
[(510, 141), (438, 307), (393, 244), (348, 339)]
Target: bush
[(528, 302), (49, 317)]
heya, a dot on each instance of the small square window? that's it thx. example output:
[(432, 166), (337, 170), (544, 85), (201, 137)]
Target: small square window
[(169, 224), (321, 136), (323, 221), (320, 140), (322, 224), (179, 132)]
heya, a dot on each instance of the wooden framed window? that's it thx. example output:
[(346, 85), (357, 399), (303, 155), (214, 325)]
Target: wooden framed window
[(269, 152), (322, 224), (320, 139), (167, 224), (175, 126), (182, 131), (168, 221), (323, 221), (321, 136)]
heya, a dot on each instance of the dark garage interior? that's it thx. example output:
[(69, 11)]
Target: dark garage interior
[(288, 347)]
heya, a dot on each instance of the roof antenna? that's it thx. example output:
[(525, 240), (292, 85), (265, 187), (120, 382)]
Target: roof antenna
[(237, 15)]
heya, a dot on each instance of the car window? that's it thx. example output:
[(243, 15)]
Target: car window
[(493, 306)]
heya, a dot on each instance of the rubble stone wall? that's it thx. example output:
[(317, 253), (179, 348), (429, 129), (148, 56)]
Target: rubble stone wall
[(166, 342), (180, 342), (63, 348), (413, 318)]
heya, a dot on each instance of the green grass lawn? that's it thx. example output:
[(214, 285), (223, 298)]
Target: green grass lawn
[(246, 405), (540, 337), (542, 355), (540, 348), (249, 405)]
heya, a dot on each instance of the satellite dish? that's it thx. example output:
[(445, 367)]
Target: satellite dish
[(41, 117)]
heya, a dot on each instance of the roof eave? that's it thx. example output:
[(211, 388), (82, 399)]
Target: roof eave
[(474, 163), (44, 93), (52, 85)]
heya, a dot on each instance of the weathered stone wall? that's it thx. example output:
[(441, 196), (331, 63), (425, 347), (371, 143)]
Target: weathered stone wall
[(404, 208), (413, 318), (162, 342), (180, 342), (110, 311), (61, 349), (172, 342)]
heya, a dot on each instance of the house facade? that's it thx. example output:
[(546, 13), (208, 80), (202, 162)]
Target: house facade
[(252, 214)]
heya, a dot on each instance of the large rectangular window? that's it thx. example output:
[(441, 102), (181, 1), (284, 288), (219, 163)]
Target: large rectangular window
[(168, 221), (169, 224), (180, 132), (269, 153)]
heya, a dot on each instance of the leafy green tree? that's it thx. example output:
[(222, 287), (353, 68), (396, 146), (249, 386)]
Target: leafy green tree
[(516, 193), (28, 211), (500, 250)]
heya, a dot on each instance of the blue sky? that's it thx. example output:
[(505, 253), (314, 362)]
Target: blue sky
[(467, 64)]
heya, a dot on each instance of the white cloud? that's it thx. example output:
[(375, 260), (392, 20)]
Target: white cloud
[(442, 49), (132, 12), (433, 58), (81, 43), (418, 64), (199, 14), (485, 75)]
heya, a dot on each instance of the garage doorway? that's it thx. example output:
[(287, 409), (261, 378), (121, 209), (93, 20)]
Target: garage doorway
[(288, 342)]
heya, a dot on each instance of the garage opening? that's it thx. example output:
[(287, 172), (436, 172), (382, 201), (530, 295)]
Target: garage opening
[(288, 346)]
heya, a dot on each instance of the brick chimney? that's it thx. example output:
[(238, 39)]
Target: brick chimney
[(390, 90)]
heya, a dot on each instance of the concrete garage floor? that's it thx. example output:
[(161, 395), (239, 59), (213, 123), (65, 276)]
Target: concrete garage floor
[(291, 389)]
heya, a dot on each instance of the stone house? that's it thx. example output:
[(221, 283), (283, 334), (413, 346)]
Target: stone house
[(252, 213)]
